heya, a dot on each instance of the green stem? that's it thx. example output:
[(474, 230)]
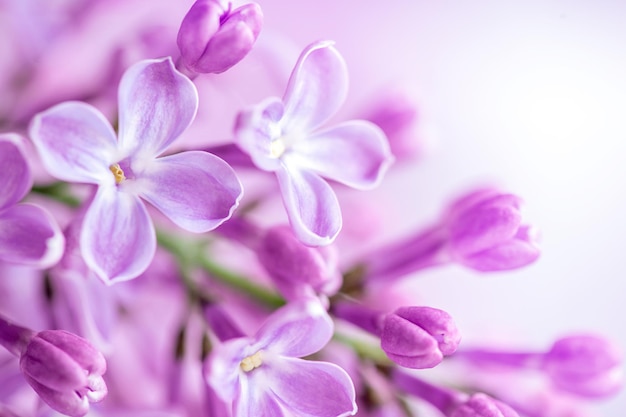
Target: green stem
[(192, 254), (364, 349), (58, 191)]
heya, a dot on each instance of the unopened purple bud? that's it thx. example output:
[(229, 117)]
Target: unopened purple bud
[(397, 116), (212, 38), (481, 405), (418, 337), (486, 232), (65, 370), (293, 265), (585, 365)]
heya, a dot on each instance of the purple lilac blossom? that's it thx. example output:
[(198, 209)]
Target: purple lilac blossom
[(194, 189), (412, 337), (212, 37), (284, 136), (450, 402), (483, 230), (264, 375), (64, 370), (582, 365), (29, 235)]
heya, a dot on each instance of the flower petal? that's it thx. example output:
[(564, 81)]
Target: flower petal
[(310, 388), (222, 368), (76, 142), (29, 235), (297, 329), (355, 153), (196, 190), (117, 239), (317, 88), (156, 104), (311, 205), (255, 399), (15, 176)]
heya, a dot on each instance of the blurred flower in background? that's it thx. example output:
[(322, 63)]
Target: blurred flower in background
[(430, 293)]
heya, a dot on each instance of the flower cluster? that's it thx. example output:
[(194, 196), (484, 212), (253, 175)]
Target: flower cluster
[(150, 268)]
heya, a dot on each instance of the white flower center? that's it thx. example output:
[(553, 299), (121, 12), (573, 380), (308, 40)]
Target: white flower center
[(251, 362)]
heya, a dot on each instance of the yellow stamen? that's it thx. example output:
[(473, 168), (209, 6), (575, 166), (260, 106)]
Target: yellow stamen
[(118, 173), (277, 148), (251, 362)]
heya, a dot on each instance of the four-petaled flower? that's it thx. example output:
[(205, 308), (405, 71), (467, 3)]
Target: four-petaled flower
[(263, 375), (283, 136), (196, 190), (28, 234)]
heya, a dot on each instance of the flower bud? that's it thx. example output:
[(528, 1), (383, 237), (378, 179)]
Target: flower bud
[(486, 232), (481, 405), (418, 337), (585, 365), (213, 38), (65, 370), (294, 266)]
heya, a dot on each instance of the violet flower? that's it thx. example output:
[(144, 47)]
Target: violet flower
[(296, 269), (412, 337), (483, 230), (450, 402), (263, 375), (64, 370), (212, 37), (583, 365), (487, 233), (284, 136), (28, 234), (196, 190)]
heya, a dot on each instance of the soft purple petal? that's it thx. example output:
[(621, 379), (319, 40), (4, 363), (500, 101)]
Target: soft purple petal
[(311, 205), (310, 388), (317, 88), (29, 235), (15, 176), (198, 27), (254, 399), (485, 224), (75, 142), (256, 128), (513, 254), (117, 239), (222, 368), (156, 104), (196, 190), (297, 329), (233, 41), (355, 153)]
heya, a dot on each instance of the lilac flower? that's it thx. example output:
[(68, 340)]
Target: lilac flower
[(28, 234), (483, 230), (195, 190), (585, 365), (413, 337), (298, 270), (64, 370), (212, 37), (487, 233), (284, 136), (263, 375), (450, 402)]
